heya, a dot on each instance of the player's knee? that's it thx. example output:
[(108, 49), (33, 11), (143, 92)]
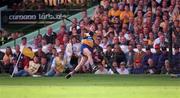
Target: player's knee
[(87, 52)]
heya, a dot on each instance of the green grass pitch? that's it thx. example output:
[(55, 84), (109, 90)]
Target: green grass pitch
[(91, 86)]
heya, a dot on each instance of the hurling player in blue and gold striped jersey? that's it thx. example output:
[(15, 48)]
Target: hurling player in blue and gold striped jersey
[(87, 45)]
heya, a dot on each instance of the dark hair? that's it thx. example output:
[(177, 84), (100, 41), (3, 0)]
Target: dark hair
[(8, 47), (54, 48), (74, 27), (176, 46), (74, 36), (105, 37), (23, 38), (44, 57), (163, 48), (148, 48), (127, 5)]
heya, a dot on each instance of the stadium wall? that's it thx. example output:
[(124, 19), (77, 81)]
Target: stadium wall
[(55, 27), (2, 9)]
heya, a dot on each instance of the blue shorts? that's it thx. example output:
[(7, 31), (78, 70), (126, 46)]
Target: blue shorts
[(86, 46)]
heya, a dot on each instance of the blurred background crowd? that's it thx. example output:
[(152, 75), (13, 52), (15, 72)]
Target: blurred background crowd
[(130, 36)]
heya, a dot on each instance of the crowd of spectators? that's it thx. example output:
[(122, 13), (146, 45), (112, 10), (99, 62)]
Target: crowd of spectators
[(130, 36), (44, 4), (6, 36), (24, 5), (34, 5)]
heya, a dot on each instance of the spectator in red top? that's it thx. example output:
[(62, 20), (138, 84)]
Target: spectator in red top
[(61, 33), (139, 54), (25, 61), (40, 53)]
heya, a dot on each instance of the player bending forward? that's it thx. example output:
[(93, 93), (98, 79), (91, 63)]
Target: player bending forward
[(86, 51)]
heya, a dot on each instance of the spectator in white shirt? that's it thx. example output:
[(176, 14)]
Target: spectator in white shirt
[(122, 70), (23, 43), (101, 69), (161, 40), (104, 43)]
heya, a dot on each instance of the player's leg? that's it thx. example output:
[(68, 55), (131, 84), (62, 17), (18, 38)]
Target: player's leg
[(83, 60), (81, 63), (88, 53)]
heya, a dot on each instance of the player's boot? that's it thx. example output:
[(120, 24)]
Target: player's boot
[(69, 75), (94, 68)]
